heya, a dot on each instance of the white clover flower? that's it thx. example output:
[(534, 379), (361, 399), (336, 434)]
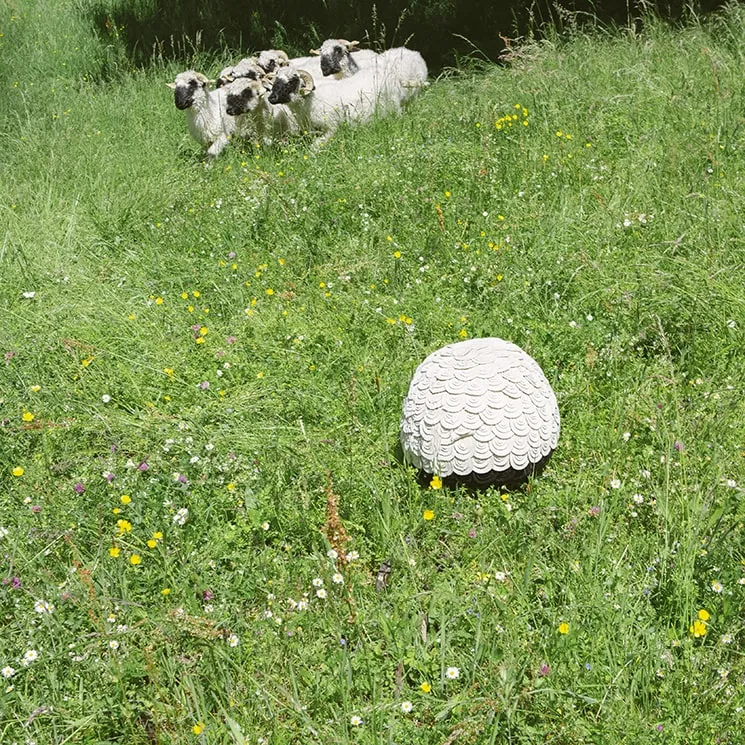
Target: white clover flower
[(29, 656), (233, 640), (181, 516), (321, 594), (500, 576), (626, 436), (452, 673), (406, 707), (337, 579), (7, 672)]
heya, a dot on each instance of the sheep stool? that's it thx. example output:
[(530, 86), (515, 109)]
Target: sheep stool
[(479, 412)]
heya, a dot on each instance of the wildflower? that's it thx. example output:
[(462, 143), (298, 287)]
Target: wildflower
[(428, 514), (29, 656), (332, 554), (42, 606), (317, 582), (425, 687), (152, 543), (181, 516), (124, 526), (265, 525), (703, 615), (198, 728), (337, 579), (165, 591), (125, 499), (727, 639), (233, 640), (114, 552), (353, 556), (396, 254), (321, 594), (564, 628), (135, 559), (159, 301), (717, 586), (18, 471), (355, 720), (544, 670), (615, 483), (106, 398), (452, 673), (114, 645), (698, 628), (27, 416), (7, 672), (406, 707)]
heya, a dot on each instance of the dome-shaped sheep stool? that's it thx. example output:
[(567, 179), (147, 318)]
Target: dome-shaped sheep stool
[(479, 412)]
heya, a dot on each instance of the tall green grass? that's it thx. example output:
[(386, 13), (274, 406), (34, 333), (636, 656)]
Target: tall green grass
[(235, 339)]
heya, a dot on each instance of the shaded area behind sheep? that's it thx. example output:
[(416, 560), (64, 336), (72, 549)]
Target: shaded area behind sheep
[(173, 29)]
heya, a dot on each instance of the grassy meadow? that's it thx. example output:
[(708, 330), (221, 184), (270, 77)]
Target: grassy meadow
[(202, 376)]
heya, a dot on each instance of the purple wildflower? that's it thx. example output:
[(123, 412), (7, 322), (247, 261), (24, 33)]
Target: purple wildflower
[(79, 487)]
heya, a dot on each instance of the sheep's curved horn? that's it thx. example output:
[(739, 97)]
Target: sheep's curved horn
[(202, 78), (172, 86), (349, 44), (308, 84), (315, 51), (283, 58)]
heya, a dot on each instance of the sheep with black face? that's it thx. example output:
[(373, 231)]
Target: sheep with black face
[(324, 104), (247, 103), (336, 56), (248, 67), (204, 109)]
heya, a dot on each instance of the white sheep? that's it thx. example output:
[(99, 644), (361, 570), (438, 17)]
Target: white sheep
[(248, 67), (246, 101), (409, 67), (342, 58), (204, 109), (325, 104), (270, 60)]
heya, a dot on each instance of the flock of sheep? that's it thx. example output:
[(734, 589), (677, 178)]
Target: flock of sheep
[(269, 95)]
